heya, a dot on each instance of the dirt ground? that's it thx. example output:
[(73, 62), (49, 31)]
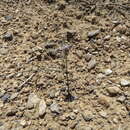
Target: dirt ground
[(33, 84)]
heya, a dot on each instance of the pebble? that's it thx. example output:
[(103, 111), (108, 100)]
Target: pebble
[(107, 37), (33, 100), (2, 92), (8, 17), (72, 116), (50, 45), (23, 123), (115, 120), (8, 36), (88, 57), (82, 126), (92, 63), (11, 112), (93, 33), (3, 51), (113, 91), (124, 82), (42, 108), (104, 100), (103, 114), (1, 104), (13, 96), (121, 99), (107, 72), (87, 115), (5, 97), (128, 106), (52, 93), (2, 127), (55, 107)]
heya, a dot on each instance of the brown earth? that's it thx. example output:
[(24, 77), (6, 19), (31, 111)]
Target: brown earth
[(32, 71)]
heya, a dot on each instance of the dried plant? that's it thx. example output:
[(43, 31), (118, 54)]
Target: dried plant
[(65, 49)]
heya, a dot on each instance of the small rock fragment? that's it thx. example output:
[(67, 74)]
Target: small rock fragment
[(72, 116), (113, 91), (88, 57), (93, 33), (103, 114), (5, 98), (50, 45), (8, 36), (3, 51), (42, 108), (52, 93), (33, 100), (87, 115), (8, 17), (128, 106), (107, 72), (121, 99), (70, 35), (92, 63), (124, 82), (104, 100), (11, 112), (13, 96), (107, 37), (55, 108), (23, 123)]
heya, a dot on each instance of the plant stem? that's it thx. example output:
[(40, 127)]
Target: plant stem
[(66, 71)]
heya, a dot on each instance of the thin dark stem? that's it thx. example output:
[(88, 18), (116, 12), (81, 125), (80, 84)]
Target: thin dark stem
[(67, 76)]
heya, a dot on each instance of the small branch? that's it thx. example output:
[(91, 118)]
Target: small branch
[(22, 85)]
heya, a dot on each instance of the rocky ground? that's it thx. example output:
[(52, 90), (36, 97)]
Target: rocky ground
[(32, 70)]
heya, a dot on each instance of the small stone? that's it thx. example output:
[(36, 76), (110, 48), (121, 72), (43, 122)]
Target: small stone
[(100, 76), (52, 93), (55, 108), (13, 96), (103, 114), (11, 112), (3, 51), (128, 106), (115, 120), (5, 98), (42, 108), (121, 99), (92, 63), (104, 100), (87, 115), (50, 45), (23, 123), (113, 91), (2, 127), (33, 100), (1, 104), (82, 126), (73, 125), (8, 36), (53, 126), (125, 82), (93, 33), (88, 57), (72, 116), (70, 35), (107, 72), (107, 37), (2, 92), (75, 111), (8, 17)]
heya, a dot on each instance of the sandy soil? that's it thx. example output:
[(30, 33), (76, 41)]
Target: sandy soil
[(32, 72)]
